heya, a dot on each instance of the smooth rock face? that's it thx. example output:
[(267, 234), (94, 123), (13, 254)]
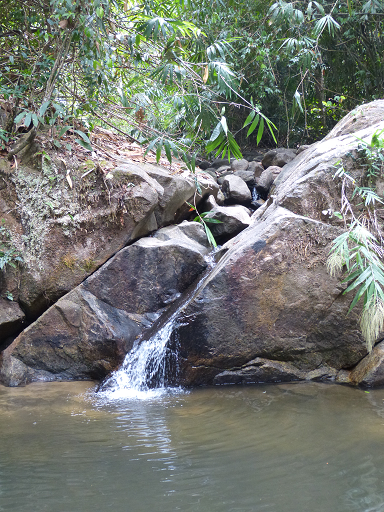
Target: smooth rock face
[(80, 337), (275, 170), (279, 157), (256, 168), (247, 176), (235, 190), (264, 183), (270, 297), (239, 165), (306, 185), (87, 332), (189, 232), (176, 191), (233, 219)]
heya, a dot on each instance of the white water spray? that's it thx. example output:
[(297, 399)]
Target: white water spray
[(143, 372), (142, 375)]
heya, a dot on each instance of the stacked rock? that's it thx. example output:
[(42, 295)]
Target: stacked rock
[(244, 187)]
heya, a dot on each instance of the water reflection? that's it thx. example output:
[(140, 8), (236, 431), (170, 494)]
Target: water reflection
[(292, 448)]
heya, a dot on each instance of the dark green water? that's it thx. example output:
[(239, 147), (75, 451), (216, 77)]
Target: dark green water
[(284, 448)]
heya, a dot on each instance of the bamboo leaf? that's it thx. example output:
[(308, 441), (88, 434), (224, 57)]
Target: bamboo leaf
[(19, 117), (158, 151), (249, 118), (151, 145), (253, 125), (260, 130), (206, 74), (297, 99), (210, 237), (35, 120), (223, 122), (213, 144), (83, 136), (28, 119), (44, 107), (168, 151), (216, 132), (83, 144)]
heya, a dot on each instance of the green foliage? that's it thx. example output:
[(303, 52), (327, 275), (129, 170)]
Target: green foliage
[(144, 67), (203, 219), (9, 255), (358, 250), (372, 155), (307, 63), (162, 71), (9, 295), (4, 138)]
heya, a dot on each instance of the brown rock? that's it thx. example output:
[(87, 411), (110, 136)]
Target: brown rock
[(87, 332), (235, 190), (370, 371), (239, 165), (256, 168), (279, 157), (11, 318), (65, 234), (271, 297)]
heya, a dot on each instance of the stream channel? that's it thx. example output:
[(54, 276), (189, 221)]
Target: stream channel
[(299, 447)]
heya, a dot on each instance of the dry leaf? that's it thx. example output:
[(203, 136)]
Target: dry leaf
[(205, 76), (69, 181)]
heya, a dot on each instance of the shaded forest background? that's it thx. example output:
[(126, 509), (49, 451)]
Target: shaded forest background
[(185, 76)]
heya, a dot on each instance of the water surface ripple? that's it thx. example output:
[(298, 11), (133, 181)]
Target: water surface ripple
[(302, 447)]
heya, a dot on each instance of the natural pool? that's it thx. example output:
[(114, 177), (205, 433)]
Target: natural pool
[(302, 447)]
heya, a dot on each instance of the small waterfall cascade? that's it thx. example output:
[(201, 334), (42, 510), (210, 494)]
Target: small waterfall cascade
[(145, 370), (255, 194)]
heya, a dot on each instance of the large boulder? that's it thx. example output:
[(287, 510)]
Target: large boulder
[(87, 332), (307, 184), (270, 297), (270, 311), (239, 165), (235, 190), (230, 220), (67, 221)]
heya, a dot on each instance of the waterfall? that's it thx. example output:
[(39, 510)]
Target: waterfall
[(144, 372)]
